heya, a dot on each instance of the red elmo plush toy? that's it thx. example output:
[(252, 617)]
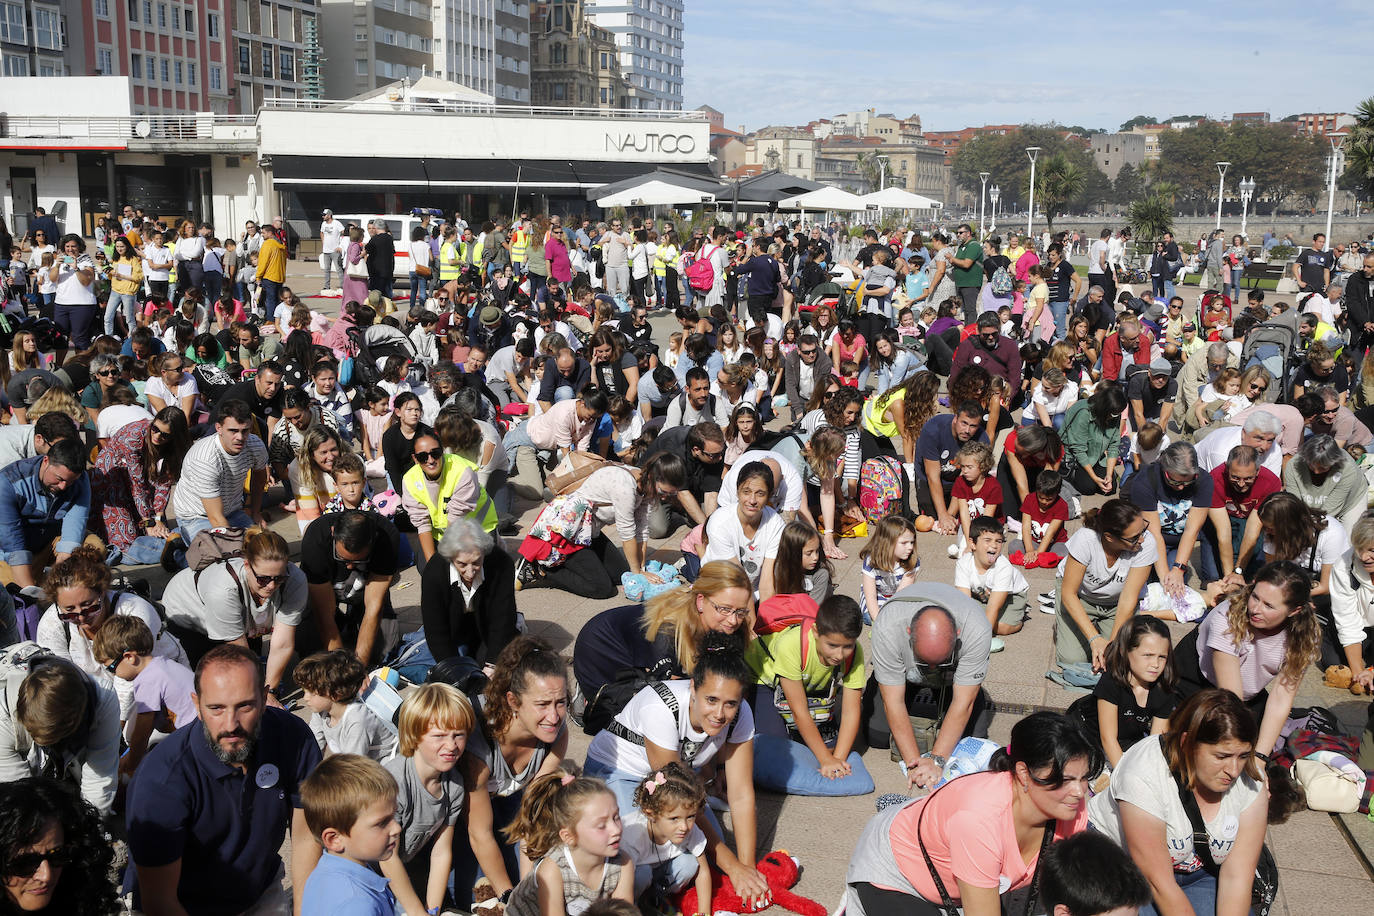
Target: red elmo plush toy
[(781, 872)]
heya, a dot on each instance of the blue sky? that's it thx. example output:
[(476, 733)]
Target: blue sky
[(767, 62)]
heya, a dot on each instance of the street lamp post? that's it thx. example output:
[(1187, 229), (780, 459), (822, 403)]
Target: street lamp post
[(1032, 152), (995, 194), (1247, 193), (1221, 187), (982, 202), (882, 183), (1336, 142)]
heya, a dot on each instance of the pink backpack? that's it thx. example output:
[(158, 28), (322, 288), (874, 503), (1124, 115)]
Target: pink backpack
[(701, 273)]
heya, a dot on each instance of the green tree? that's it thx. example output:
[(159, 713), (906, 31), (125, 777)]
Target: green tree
[(1359, 152), (870, 168), (1138, 121), (1097, 189), (1282, 163), (1004, 157), (1058, 180), (1187, 159), (1129, 185), (1150, 217)]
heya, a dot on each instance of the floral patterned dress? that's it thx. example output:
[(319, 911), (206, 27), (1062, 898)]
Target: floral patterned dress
[(120, 489)]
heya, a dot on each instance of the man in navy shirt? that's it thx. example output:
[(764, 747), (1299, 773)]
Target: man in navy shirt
[(209, 807), (940, 440), (764, 277), (1175, 497)]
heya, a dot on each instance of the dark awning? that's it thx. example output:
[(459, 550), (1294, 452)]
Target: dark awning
[(301, 172)]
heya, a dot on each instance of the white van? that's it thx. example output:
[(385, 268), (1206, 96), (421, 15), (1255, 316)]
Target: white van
[(399, 226)]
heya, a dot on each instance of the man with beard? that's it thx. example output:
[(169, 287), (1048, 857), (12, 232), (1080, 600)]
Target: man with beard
[(209, 807)]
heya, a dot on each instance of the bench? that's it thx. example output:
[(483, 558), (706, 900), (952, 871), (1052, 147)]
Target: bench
[(1255, 272)]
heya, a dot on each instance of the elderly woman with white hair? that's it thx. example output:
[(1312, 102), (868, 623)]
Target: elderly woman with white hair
[(1324, 477), (467, 604)]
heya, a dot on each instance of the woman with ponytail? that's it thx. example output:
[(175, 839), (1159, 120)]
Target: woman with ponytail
[(981, 835)]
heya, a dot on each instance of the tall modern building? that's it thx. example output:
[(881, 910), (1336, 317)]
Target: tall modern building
[(574, 63), (648, 34), (369, 44), (484, 45), (268, 41)]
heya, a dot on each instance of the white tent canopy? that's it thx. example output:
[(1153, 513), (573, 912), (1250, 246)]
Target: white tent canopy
[(899, 199), (654, 194), (826, 198)]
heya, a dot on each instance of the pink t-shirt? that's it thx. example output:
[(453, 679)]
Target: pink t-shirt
[(164, 688), (970, 836), (1260, 659)]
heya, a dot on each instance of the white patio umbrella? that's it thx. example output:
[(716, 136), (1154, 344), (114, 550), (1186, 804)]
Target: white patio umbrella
[(826, 198), (655, 194), (901, 199)]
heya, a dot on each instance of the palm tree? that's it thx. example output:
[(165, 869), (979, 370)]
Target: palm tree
[(870, 169), (1359, 149), (1057, 182), (1151, 216)]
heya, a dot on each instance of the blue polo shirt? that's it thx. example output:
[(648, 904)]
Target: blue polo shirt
[(339, 887), (226, 826)]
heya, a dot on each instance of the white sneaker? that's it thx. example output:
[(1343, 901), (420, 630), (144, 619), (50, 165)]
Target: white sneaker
[(1047, 603), (998, 644), (1075, 507), (954, 551)]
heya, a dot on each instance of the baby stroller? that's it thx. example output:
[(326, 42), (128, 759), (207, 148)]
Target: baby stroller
[(1272, 345)]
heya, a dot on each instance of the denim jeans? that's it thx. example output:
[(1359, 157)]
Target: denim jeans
[(144, 551), (190, 527), (517, 436), (129, 303), (1199, 887), (213, 284), (270, 291), (418, 288), (666, 877), (1060, 310)]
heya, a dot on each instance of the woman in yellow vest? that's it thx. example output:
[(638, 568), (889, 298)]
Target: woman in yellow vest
[(665, 270), (519, 243), (451, 259), (442, 487)]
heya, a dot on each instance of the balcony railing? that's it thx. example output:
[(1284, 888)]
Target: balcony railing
[(434, 106), (206, 127)]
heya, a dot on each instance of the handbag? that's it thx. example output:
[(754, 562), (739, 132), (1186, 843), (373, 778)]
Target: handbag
[(422, 270), (1327, 787), (356, 270), (1266, 884)]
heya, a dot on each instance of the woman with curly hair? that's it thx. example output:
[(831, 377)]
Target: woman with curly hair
[(1256, 644), (56, 858), (521, 734), (974, 383), (899, 412)]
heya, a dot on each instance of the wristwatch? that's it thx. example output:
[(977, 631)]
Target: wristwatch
[(935, 758)]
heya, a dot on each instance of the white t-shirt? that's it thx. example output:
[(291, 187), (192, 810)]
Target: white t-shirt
[(1149, 455), (419, 254), (158, 389), (787, 493), (501, 363), (636, 842), (1142, 779), (1097, 255), (1003, 577), (727, 541), (649, 716), (1213, 448), (117, 416), (1102, 584), (1322, 307), (190, 249), (358, 731), (45, 285), (1067, 396), (154, 254), (331, 235), (1333, 544)]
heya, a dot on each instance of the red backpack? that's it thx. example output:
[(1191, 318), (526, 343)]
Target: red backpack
[(783, 611)]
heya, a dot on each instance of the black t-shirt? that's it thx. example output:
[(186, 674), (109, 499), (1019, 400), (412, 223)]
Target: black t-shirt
[(79, 373), (702, 478), (1311, 267), (1338, 379), (381, 255), (611, 377), (397, 453), (614, 641), (865, 256), (317, 551), (1152, 399), (991, 263), (17, 389), (1149, 493), (1101, 316), (1133, 721), (262, 408), (1060, 281), (937, 443)]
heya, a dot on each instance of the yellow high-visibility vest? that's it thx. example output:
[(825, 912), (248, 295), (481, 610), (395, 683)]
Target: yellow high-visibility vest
[(484, 513)]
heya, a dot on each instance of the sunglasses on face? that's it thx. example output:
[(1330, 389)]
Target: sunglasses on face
[(264, 581), (25, 864), (108, 373), (81, 611), (434, 454)]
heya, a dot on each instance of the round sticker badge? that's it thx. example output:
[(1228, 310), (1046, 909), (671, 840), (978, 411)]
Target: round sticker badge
[(267, 776)]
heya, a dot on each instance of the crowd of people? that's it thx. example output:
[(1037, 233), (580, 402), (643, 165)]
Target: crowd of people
[(1202, 462)]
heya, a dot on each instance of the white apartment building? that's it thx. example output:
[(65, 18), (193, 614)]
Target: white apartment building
[(484, 45), (649, 36)]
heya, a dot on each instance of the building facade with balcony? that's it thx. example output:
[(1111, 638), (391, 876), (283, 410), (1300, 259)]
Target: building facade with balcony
[(269, 48), (648, 35), (573, 61), (484, 45)]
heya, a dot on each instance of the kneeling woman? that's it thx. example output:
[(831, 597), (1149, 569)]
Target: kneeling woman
[(698, 722), (1199, 775), (980, 835)]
